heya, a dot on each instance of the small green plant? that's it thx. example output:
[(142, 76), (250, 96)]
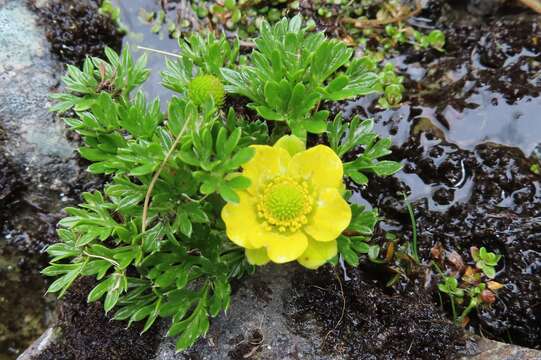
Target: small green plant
[(467, 289), (201, 55), (450, 287), (198, 195), (397, 35), (485, 261), (292, 72), (359, 135)]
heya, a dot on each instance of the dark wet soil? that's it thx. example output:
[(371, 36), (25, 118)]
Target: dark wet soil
[(467, 137), (88, 334), (76, 29), (364, 321), (25, 312)]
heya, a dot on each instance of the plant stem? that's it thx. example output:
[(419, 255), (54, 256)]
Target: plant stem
[(413, 229), (470, 307), (361, 24), (161, 52), (535, 5), (453, 308), (157, 175)]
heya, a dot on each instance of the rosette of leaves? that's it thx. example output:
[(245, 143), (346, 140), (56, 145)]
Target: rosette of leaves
[(292, 71), (175, 263), (485, 261), (201, 55)]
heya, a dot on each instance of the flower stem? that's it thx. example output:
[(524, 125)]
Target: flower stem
[(157, 175)]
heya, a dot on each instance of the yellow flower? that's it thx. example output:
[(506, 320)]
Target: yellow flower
[(293, 209)]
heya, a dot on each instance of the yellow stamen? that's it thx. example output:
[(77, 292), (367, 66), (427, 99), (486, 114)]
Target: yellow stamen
[(284, 203)]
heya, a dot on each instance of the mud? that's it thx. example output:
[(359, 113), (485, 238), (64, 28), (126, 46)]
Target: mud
[(467, 137), (76, 29), (88, 334), (25, 311), (362, 320)]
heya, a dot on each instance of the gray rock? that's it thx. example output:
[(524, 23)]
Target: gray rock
[(255, 326), (494, 350), (47, 339), (39, 172), (32, 137), (485, 7)]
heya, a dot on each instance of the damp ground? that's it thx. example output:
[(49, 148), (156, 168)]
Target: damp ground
[(467, 133)]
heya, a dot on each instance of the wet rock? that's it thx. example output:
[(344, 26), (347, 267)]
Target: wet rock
[(33, 139), (287, 312), (76, 29), (255, 325), (39, 175), (42, 344), (84, 332), (493, 350), (24, 311), (485, 7)]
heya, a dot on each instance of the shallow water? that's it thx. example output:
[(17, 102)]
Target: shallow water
[(140, 34)]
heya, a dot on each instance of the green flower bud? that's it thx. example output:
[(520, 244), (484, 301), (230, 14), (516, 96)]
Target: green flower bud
[(203, 86)]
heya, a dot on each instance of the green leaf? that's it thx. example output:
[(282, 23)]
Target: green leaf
[(232, 142), (315, 126), (239, 183), (228, 194), (193, 330), (111, 299), (99, 290), (94, 154), (358, 177), (386, 168), (269, 114), (240, 158), (373, 252), (344, 247), (184, 223), (144, 169), (489, 271), (167, 278), (337, 84)]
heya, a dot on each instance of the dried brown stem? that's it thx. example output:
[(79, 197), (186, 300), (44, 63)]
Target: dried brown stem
[(362, 24), (535, 5)]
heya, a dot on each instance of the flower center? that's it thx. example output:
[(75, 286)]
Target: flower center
[(284, 204)]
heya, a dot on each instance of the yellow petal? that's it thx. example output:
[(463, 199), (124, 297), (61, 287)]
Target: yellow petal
[(267, 162), (331, 216), (317, 253), (241, 222), (291, 144), (257, 256), (320, 164), (284, 247)]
